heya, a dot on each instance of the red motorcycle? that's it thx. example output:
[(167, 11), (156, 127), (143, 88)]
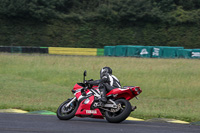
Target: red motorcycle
[(86, 103)]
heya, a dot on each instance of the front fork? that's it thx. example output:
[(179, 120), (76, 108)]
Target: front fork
[(72, 100)]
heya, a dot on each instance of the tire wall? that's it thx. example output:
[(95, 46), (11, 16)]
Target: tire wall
[(53, 50), (151, 51)]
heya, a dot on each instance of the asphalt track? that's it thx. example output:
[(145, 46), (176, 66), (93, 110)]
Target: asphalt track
[(29, 123)]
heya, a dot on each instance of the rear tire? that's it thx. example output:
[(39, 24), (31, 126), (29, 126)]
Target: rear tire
[(64, 113), (120, 115)]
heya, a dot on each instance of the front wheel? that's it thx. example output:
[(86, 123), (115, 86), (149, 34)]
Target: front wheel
[(121, 114), (66, 113)]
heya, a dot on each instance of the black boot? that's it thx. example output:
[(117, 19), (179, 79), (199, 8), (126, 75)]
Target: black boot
[(103, 95)]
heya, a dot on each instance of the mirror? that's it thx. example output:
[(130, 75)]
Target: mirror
[(85, 73)]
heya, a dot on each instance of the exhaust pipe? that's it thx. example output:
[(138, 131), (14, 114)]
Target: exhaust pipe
[(133, 108)]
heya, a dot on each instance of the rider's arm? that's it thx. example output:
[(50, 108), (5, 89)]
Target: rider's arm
[(97, 82)]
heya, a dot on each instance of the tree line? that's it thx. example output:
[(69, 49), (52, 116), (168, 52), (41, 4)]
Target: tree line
[(97, 23), (111, 11)]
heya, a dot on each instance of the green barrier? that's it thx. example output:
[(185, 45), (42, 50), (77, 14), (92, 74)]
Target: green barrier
[(139, 51), (134, 51), (195, 53), (165, 52), (146, 51), (16, 50), (170, 52), (100, 52), (184, 53), (157, 52), (121, 50), (109, 50)]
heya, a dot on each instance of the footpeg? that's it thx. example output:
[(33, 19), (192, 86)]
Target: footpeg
[(133, 108), (98, 104)]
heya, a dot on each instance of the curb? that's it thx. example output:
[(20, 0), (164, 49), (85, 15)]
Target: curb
[(134, 119), (42, 112), (167, 120), (12, 111), (46, 112)]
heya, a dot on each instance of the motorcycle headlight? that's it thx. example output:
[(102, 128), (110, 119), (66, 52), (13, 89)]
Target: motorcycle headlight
[(87, 101)]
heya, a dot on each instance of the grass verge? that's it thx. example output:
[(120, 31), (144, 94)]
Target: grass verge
[(171, 87)]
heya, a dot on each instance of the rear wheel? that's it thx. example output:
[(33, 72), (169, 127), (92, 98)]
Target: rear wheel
[(66, 113), (123, 111)]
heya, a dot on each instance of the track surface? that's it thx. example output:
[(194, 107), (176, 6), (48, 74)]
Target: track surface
[(21, 123)]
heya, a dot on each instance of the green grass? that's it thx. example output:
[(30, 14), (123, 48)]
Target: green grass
[(171, 87)]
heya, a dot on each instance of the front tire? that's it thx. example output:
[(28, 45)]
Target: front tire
[(122, 114), (66, 113)]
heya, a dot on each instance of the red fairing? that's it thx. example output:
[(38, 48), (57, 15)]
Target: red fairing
[(84, 109), (78, 95), (127, 93), (76, 87), (123, 93)]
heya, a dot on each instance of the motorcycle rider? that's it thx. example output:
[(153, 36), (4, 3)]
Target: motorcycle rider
[(106, 83)]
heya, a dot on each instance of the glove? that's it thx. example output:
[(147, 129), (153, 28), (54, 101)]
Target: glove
[(87, 81), (85, 88), (90, 80)]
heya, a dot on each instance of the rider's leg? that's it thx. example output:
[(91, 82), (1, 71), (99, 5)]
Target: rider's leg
[(103, 92), (108, 87)]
